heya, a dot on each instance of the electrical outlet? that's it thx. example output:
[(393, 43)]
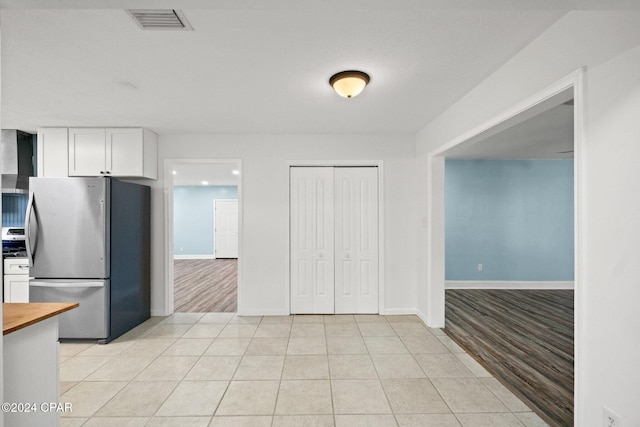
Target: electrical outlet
[(610, 419), (480, 267)]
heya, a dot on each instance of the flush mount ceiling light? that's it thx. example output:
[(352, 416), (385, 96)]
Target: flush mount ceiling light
[(349, 83)]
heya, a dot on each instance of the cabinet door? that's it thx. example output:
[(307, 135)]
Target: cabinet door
[(124, 152), (86, 152), (16, 288), (53, 155)]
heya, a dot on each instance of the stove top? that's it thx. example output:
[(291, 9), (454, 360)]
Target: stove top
[(13, 244)]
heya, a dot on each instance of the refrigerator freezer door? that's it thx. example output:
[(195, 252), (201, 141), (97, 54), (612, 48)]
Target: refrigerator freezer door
[(88, 321), (67, 228)]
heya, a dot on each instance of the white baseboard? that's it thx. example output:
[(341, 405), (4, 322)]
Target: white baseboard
[(158, 313), (399, 311), (505, 284), (259, 312), (422, 317), (388, 312), (194, 257), (425, 320), (414, 311)]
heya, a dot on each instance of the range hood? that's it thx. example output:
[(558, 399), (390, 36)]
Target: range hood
[(16, 160)]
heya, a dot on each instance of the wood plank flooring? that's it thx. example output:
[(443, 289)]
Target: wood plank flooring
[(525, 339), (205, 285)]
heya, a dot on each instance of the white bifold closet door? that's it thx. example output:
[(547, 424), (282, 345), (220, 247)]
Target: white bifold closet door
[(334, 240)]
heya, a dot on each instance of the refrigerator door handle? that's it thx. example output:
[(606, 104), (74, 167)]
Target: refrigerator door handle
[(66, 285), (31, 246)]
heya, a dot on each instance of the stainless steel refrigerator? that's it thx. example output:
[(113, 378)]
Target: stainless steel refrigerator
[(88, 241)]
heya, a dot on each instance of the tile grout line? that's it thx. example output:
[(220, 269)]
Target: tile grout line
[(128, 382), (185, 375), (173, 389), (193, 366), (429, 378), (438, 391), (326, 344), (228, 382), (378, 375), (284, 360), (244, 353)]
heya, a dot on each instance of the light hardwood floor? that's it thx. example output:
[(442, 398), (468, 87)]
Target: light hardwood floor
[(525, 339), (205, 285)]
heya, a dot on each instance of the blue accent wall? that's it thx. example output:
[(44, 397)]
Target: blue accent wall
[(14, 209), (193, 217), (513, 216)]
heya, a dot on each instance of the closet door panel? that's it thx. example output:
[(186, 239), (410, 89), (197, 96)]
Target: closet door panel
[(312, 240), (345, 215), (356, 223)]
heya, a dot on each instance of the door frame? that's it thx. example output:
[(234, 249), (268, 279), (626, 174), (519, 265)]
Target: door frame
[(168, 228), (435, 211), (339, 163), (214, 223)]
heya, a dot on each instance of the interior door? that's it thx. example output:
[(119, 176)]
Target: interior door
[(312, 239), (225, 228), (356, 240)]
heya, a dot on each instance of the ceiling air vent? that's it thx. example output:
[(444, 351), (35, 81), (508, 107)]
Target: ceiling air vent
[(160, 19)]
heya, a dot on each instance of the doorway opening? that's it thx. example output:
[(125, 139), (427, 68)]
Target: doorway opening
[(513, 140), (206, 230)]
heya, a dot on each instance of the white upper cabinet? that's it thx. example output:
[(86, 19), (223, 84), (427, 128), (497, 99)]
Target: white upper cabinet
[(53, 155), (86, 152), (119, 152)]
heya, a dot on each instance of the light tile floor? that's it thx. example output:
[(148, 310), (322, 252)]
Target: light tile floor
[(217, 369)]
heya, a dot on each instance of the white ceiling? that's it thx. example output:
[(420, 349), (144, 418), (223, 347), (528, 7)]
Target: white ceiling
[(256, 67), (212, 173)]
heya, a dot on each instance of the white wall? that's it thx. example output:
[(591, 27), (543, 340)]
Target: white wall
[(606, 44), (611, 321), (265, 208)]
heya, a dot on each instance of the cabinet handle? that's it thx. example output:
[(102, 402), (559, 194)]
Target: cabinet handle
[(102, 172)]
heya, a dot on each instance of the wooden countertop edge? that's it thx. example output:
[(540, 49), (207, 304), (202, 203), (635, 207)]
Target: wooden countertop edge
[(16, 316)]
